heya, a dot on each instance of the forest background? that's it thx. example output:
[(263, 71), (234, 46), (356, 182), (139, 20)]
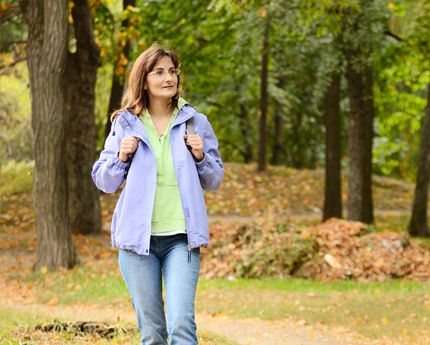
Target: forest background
[(292, 88), (342, 85)]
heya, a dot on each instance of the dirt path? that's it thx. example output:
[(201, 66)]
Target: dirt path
[(279, 332), (242, 331)]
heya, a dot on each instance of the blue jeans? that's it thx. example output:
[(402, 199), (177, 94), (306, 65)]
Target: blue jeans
[(169, 260)]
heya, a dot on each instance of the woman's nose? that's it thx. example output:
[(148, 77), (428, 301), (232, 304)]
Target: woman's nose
[(168, 76)]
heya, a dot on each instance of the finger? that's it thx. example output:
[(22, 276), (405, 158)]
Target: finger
[(195, 140), (193, 136), (197, 145)]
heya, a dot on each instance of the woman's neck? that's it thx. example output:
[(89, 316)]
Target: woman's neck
[(160, 108)]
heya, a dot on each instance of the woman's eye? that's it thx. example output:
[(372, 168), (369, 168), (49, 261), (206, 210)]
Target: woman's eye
[(159, 72)]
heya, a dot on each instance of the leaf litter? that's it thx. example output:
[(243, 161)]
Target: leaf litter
[(334, 250)]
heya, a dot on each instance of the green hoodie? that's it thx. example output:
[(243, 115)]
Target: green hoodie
[(167, 216)]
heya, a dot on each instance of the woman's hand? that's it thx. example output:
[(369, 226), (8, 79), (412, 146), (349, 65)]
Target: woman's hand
[(128, 146), (195, 142)]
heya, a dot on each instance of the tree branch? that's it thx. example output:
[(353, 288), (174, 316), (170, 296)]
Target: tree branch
[(393, 35), (16, 61)]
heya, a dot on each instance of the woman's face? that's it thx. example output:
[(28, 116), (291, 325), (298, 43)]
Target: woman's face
[(162, 81)]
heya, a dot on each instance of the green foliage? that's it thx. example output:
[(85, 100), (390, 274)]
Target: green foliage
[(16, 136), (16, 177), (220, 44), (400, 92)]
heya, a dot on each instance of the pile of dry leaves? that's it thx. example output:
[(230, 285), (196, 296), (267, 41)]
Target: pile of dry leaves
[(336, 249), (258, 249), (348, 250)]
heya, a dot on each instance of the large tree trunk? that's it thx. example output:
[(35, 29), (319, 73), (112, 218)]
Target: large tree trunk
[(360, 203), (46, 52), (118, 80), (84, 205), (418, 225), (263, 98), (333, 184)]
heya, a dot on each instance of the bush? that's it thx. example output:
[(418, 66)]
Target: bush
[(16, 136), (16, 177)]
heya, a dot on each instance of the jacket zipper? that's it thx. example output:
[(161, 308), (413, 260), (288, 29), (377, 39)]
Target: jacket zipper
[(180, 194)]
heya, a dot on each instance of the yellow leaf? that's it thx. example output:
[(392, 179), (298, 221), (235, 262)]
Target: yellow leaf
[(358, 321), (385, 321), (43, 269), (132, 9), (262, 12)]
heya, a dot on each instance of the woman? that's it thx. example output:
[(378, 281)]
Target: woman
[(160, 219)]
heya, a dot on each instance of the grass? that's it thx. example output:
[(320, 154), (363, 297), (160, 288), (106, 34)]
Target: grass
[(18, 328), (370, 309), (79, 285)]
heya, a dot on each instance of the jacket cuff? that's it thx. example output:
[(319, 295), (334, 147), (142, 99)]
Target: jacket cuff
[(119, 164), (203, 161)]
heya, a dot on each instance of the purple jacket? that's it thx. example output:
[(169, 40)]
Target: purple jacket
[(131, 221)]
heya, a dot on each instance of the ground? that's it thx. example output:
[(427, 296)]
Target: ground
[(229, 311)]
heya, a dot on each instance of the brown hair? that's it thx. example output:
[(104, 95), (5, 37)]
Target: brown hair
[(136, 98)]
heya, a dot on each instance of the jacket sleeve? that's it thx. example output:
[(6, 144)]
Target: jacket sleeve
[(108, 172), (211, 167)]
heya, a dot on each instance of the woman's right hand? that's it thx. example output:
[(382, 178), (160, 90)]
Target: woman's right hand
[(128, 146)]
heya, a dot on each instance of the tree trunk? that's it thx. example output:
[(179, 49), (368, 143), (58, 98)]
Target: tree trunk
[(84, 204), (333, 184), (277, 144), (418, 225), (360, 203), (118, 80), (295, 138), (263, 98), (245, 128), (46, 52)]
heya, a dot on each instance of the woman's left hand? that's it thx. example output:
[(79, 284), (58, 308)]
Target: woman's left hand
[(196, 143)]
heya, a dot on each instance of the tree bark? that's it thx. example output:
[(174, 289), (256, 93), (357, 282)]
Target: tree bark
[(298, 161), (418, 225), (245, 128), (46, 51), (84, 204), (118, 80), (333, 184), (263, 98), (277, 144), (362, 113)]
